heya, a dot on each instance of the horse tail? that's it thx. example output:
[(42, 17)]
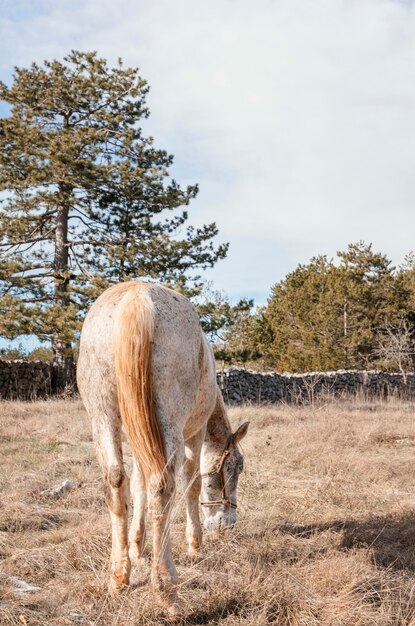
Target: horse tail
[(132, 344)]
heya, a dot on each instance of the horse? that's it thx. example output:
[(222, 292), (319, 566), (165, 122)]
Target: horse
[(145, 366)]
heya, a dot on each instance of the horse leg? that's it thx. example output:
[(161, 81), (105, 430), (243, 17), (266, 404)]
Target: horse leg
[(107, 439), (164, 575), (192, 484), (137, 535)]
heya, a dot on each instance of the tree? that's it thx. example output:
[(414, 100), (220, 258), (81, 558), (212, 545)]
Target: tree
[(87, 198), (13, 354), (396, 338), (227, 325), (326, 315), (371, 297), (304, 316), (396, 346), (406, 285)]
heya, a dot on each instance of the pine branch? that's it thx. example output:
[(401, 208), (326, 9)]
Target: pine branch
[(85, 187), (103, 105)]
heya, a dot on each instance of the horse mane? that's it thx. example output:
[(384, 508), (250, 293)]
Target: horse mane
[(132, 344)]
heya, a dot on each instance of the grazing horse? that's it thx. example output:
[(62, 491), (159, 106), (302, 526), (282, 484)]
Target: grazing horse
[(145, 365)]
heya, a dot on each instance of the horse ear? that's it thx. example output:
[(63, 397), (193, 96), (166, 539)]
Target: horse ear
[(241, 432)]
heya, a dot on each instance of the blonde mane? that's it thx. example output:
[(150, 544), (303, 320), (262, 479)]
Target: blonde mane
[(132, 344)]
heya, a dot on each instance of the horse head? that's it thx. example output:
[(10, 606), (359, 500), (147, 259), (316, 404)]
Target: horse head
[(218, 493)]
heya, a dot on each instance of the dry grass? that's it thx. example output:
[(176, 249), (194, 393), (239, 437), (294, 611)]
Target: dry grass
[(326, 531)]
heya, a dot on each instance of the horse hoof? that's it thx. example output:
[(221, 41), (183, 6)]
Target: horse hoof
[(136, 555), (194, 545), (116, 585), (194, 552), (174, 611)]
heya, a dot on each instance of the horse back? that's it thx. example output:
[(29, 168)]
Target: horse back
[(182, 365)]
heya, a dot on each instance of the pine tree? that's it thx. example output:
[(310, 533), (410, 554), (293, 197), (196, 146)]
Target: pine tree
[(327, 315), (406, 286), (87, 198), (371, 298), (227, 325), (304, 315), (396, 338)]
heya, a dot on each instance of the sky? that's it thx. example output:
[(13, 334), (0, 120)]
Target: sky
[(296, 117)]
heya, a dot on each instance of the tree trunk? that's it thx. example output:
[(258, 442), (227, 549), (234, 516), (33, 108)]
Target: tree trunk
[(345, 333), (63, 365), (64, 368)]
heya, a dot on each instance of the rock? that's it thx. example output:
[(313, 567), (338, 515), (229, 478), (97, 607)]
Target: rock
[(21, 586), (59, 490), (240, 386)]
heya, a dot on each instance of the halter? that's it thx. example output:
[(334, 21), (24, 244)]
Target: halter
[(220, 471)]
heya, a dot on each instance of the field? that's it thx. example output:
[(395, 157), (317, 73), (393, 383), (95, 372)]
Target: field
[(326, 529)]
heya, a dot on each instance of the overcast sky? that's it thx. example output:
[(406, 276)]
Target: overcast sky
[(296, 117)]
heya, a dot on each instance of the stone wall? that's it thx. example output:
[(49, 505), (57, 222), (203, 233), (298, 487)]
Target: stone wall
[(28, 380), (241, 386), (25, 380)]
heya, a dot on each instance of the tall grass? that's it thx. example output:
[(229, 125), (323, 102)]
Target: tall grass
[(325, 535)]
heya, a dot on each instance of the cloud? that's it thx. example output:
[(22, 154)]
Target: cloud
[(297, 118)]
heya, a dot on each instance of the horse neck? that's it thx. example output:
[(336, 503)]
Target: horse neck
[(217, 433)]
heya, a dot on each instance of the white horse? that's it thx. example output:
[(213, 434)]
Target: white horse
[(145, 364)]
